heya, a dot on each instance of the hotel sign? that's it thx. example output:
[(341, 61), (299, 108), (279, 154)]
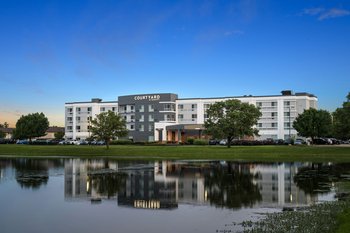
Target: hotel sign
[(147, 97)]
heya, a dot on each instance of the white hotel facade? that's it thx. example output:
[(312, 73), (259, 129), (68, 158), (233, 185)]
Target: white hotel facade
[(167, 118)]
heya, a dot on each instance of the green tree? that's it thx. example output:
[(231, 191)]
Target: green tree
[(2, 134), (5, 125), (341, 120), (59, 135), (31, 125), (108, 125), (313, 123), (232, 119)]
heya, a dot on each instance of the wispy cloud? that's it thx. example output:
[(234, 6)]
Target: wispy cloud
[(312, 11), (333, 13), (233, 33), (323, 14)]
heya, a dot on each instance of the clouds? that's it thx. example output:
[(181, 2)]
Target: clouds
[(324, 14)]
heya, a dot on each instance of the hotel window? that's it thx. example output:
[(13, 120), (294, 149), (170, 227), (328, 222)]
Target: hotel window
[(287, 103), (286, 125), (77, 127), (70, 110), (89, 118), (205, 116), (69, 127), (142, 118), (286, 114), (89, 109), (274, 114), (89, 127), (102, 109), (150, 118), (114, 109), (260, 125), (78, 109), (132, 107), (180, 106), (132, 117), (69, 118), (274, 125), (125, 118), (273, 104), (141, 128), (180, 117), (142, 108), (151, 128), (151, 108), (259, 104), (194, 106), (77, 118), (194, 117), (206, 106), (132, 127)]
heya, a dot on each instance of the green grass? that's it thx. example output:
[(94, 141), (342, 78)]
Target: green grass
[(344, 221), (248, 153)]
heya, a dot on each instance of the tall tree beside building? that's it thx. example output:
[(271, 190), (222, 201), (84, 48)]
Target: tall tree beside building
[(31, 126), (313, 123), (108, 125), (341, 120), (232, 119)]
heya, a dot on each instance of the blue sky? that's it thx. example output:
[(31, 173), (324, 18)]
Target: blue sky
[(54, 52)]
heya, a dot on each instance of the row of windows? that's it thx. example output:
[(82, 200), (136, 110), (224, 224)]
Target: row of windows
[(273, 125), (141, 127)]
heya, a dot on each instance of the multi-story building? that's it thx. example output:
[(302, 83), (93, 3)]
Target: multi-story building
[(165, 117)]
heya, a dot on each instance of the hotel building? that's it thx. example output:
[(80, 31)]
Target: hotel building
[(166, 118)]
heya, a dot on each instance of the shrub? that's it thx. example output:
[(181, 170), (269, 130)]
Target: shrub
[(200, 142), (190, 141), (121, 142)]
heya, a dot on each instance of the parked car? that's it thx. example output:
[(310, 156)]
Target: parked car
[(299, 141), (223, 142), (213, 142), (82, 142), (22, 142), (320, 141)]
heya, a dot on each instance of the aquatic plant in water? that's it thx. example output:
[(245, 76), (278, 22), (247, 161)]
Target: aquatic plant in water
[(315, 219)]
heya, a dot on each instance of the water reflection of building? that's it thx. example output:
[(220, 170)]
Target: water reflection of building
[(276, 185), (77, 182), (166, 184)]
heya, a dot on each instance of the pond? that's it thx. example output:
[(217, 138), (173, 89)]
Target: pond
[(106, 195)]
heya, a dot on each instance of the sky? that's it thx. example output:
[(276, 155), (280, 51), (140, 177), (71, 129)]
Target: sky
[(53, 52)]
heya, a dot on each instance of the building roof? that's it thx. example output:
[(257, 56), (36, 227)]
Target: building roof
[(7, 130), (55, 129), (52, 129)]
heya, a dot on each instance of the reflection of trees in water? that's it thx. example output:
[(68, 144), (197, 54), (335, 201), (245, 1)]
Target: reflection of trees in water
[(31, 173), (232, 186), (318, 177), (108, 184)]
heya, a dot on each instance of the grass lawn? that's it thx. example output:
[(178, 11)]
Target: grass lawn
[(249, 153)]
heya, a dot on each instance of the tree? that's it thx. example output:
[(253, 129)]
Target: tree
[(31, 125), (2, 134), (341, 120), (5, 125), (59, 135), (108, 125), (313, 123), (232, 119)]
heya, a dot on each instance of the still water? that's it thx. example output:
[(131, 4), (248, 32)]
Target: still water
[(81, 195)]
